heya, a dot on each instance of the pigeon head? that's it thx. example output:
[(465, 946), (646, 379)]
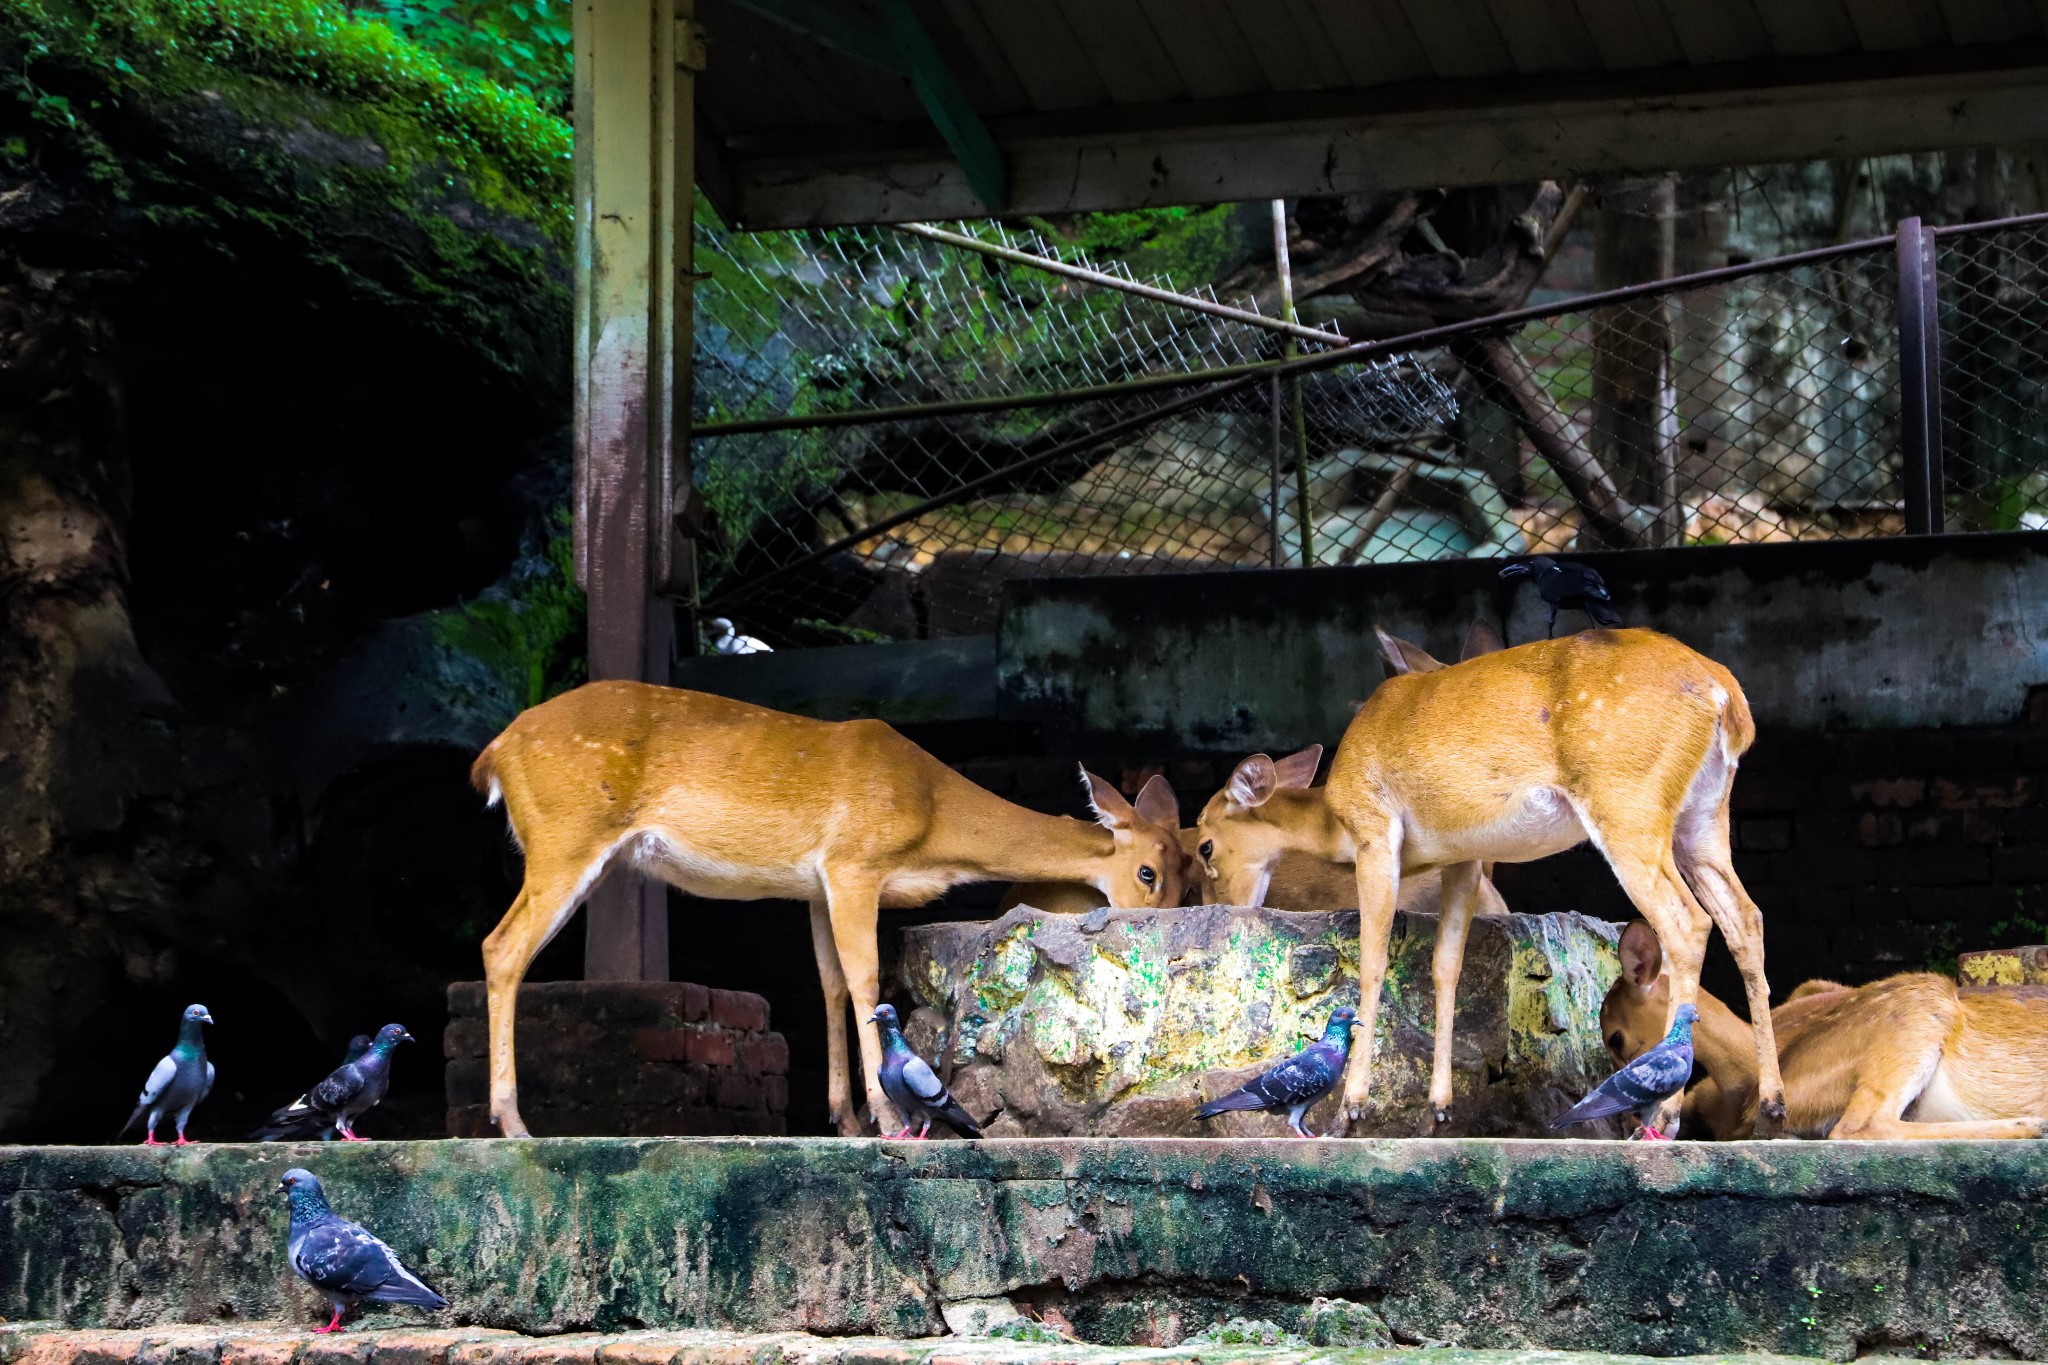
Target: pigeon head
[(390, 1036), (196, 1014), (1344, 1015), (301, 1188), (885, 1015), (1687, 1015)]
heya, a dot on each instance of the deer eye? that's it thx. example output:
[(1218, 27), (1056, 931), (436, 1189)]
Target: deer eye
[(1148, 876), (1207, 850)]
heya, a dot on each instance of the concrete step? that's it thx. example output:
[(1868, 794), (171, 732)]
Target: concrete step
[(1827, 1249)]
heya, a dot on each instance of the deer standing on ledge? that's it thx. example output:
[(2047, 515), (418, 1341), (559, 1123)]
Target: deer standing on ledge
[(736, 802), (1857, 1059), (1624, 737)]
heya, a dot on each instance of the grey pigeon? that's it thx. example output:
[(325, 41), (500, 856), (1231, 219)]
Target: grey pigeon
[(350, 1091), (1644, 1083), (1564, 584), (357, 1046), (1297, 1083), (342, 1259), (913, 1087), (179, 1082)]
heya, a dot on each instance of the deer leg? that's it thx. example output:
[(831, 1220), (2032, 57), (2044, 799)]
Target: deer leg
[(1378, 872), (838, 1083), (1459, 899), (855, 902), (544, 904), (1644, 866), (1704, 859)]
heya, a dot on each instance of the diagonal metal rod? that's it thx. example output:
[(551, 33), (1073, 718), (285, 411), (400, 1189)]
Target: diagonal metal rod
[(1109, 281)]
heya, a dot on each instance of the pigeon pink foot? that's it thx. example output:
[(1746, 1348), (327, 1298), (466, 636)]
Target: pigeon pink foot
[(150, 1141), (334, 1326)]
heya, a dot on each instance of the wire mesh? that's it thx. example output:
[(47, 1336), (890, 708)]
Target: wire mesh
[(1994, 376), (1752, 405)]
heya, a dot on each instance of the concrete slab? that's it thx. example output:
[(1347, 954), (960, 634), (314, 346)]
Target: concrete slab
[(1827, 1249)]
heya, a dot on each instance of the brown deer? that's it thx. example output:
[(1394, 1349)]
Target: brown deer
[(1906, 1057), (1300, 881), (736, 802), (1624, 737)]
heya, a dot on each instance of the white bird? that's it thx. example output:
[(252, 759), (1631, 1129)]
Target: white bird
[(726, 639)]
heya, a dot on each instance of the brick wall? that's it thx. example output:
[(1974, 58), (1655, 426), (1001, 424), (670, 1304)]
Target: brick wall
[(634, 1059), (1869, 851)]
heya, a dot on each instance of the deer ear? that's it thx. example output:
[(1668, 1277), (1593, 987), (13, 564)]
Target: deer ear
[(1111, 810), (1642, 954), (1253, 783), (1157, 803), (1298, 770), (1480, 638), (1403, 657)]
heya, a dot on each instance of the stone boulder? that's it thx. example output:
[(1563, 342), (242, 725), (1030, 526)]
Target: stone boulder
[(1123, 1022)]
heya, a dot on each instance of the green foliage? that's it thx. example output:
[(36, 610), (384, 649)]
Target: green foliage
[(535, 633), (524, 44), (145, 48)]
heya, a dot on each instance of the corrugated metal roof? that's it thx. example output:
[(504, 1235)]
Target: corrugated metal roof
[(1122, 103)]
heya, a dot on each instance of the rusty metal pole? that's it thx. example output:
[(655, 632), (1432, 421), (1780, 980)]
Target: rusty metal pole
[(1286, 273), (635, 177), (1919, 379)]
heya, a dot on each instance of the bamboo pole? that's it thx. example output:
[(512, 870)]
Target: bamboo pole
[(1286, 273)]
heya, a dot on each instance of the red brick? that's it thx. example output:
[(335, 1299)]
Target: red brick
[(466, 998), (739, 1010), (405, 1346), (709, 1047), (775, 1093), (267, 1348), (90, 1347), (465, 1038), (1897, 793), (736, 1090), (662, 1044), (1880, 829), (767, 1054), (696, 1001)]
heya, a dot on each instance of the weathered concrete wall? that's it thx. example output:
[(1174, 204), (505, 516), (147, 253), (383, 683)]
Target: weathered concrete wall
[(1121, 1023), (1819, 1248), (1904, 631)]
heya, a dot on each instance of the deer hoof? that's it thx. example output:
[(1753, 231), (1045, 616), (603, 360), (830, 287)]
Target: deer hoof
[(1436, 1120), (510, 1126), (1770, 1119)]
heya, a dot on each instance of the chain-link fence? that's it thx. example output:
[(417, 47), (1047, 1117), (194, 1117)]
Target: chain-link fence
[(890, 427)]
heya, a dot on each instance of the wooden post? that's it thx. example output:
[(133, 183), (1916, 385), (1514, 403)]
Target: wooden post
[(1919, 379), (635, 65)]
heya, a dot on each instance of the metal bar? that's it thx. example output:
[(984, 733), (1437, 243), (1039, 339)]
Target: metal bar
[(1919, 379), (1283, 266), (1991, 225), (912, 412), (1273, 555), (1065, 450), (1353, 351), (1108, 281)]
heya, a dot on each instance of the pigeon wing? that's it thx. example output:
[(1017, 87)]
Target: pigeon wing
[(922, 1081), (344, 1259), (159, 1081), (1658, 1073), (153, 1089), (206, 1088), (343, 1084), (1307, 1075)]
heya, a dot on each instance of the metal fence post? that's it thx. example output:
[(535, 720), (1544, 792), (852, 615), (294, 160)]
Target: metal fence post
[(1919, 379)]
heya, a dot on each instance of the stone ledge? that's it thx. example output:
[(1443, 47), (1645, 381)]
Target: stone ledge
[(39, 1344), (1836, 1249)]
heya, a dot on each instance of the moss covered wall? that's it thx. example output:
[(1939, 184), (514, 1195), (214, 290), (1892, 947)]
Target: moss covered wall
[(1818, 1249)]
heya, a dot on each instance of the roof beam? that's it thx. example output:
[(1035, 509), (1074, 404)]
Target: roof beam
[(903, 46), (1398, 137)]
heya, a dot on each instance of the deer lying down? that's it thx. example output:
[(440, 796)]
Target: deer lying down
[(735, 802), (1301, 881), (1906, 1057)]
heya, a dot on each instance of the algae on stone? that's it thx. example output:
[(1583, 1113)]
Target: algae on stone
[(1123, 1022)]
